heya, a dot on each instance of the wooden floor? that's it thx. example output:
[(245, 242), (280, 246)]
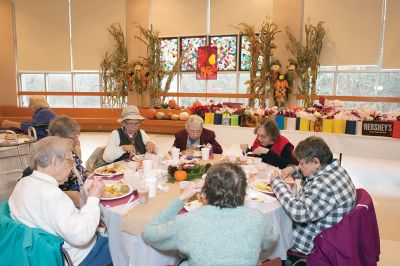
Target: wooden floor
[(381, 178)]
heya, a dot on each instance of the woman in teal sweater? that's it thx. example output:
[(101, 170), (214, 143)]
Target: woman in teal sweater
[(223, 232)]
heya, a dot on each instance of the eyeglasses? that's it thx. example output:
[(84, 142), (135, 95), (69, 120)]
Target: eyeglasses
[(70, 161), (133, 124), (76, 135)]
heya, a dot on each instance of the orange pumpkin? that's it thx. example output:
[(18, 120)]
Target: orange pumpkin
[(196, 104), (148, 113), (172, 104), (169, 114), (180, 175)]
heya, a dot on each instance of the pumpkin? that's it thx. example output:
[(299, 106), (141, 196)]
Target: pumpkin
[(172, 104), (183, 116), (160, 115), (169, 114), (197, 104), (180, 175), (175, 117), (148, 113)]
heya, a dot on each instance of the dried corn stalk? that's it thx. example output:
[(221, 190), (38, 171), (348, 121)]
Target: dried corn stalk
[(114, 70), (307, 58)]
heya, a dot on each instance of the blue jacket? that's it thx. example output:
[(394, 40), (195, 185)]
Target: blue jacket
[(40, 121), (21, 245)]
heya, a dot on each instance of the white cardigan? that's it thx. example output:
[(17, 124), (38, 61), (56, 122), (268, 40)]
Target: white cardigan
[(38, 202), (113, 151)]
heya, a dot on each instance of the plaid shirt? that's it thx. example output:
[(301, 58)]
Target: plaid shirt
[(323, 200)]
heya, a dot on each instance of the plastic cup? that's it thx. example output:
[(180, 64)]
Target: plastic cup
[(183, 185), (189, 154), (147, 165), (205, 154), (143, 193), (175, 154), (151, 183), (132, 166)]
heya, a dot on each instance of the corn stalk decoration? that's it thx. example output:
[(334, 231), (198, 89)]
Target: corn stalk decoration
[(307, 58), (261, 48), (114, 70), (156, 71)]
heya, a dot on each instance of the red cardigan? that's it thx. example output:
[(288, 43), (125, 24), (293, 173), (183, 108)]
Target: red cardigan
[(207, 136)]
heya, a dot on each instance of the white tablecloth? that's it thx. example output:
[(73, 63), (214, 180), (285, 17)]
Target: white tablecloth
[(129, 249), (365, 146)]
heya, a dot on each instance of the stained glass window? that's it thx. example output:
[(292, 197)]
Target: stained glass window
[(189, 45), (169, 52), (226, 47), (245, 56)]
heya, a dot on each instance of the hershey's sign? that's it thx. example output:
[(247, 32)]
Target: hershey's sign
[(377, 128)]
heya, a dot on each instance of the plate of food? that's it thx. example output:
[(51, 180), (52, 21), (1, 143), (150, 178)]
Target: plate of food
[(115, 190), (110, 170), (193, 153), (193, 203), (254, 199), (262, 186)]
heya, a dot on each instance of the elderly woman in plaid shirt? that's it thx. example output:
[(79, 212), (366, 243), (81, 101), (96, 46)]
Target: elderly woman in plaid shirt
[(327, 193)]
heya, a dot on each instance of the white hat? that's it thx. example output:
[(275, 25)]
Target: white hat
[(130, 112)]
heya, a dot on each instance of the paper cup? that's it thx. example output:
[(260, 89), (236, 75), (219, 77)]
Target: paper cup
[(183, 185), (151, 183), (143, 193), (175, 154), (147, 165), (205, 153)]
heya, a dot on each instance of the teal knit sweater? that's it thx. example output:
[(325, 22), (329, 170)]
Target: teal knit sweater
[(212, 236)]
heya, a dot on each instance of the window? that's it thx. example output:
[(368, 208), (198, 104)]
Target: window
[(226, 48), (190, 45), (169, 52), (63, 82)]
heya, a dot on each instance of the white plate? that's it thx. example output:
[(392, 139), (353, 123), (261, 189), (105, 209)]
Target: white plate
[(261, 186), (110, 183), (193, 205), (99, 171)]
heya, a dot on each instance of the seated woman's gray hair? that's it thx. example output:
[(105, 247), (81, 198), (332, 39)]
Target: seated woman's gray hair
[(314, 147), (63, 126), (45, 149), (195, 121), (225, 185)]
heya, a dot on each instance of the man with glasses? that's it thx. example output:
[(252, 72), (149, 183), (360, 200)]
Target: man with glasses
[(128, 140), (195, 135), (65, 127)]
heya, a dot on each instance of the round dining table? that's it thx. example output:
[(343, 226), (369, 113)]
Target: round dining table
[(126, 220)]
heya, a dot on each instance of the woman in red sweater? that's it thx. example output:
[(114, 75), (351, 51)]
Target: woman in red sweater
[(271, 146)]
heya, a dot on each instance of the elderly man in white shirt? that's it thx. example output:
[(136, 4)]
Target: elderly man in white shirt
[(38, 202), (129, 139)]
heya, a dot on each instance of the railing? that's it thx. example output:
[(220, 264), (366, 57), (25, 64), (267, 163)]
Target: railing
[(223, 95)]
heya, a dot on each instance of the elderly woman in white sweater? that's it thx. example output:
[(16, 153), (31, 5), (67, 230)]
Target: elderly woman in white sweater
[(129, 139), (38, 202)]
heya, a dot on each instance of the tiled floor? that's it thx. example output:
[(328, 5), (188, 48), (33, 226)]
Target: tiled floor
[(381, 178)]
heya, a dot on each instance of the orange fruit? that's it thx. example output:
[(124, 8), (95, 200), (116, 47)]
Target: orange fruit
[(180, 175)]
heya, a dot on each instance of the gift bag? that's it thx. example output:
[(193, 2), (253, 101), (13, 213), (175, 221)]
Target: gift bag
[(280, 121), (327, 125), (209, 118), (234, 120), (290, 123), (217, 119), (226, 119), (304, 124), (396, 129), (351, 127), (339, 126)]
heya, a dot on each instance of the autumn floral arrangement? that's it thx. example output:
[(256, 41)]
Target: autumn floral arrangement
[(188, 170)]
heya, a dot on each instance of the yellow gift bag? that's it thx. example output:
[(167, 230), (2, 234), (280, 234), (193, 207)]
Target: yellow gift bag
[(304, 124), (209, 118), (327, 125), (339, 126)]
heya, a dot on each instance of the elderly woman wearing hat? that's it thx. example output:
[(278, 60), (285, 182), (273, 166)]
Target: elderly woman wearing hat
[(129, 139)]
